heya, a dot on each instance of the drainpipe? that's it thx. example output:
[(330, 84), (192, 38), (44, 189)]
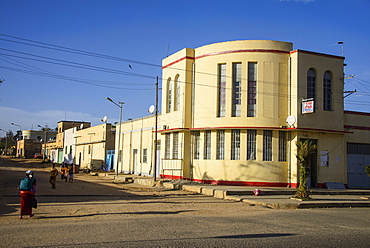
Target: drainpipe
[(192, 118), (289, 132)]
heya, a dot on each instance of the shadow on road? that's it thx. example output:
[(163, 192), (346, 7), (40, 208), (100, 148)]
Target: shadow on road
[(84, 189)]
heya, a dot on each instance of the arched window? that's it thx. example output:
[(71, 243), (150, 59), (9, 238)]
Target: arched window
[(169, 95), (311, 84), (176, 88), (327, 91)]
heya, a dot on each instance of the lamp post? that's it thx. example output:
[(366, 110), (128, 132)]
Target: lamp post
[(20, 128), (6, 140), (44, 152), (119, 104)]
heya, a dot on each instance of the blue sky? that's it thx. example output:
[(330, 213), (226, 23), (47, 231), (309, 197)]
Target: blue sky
[(145, 31)]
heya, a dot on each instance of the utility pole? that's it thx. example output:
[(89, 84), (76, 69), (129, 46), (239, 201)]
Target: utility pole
[(156, 130)]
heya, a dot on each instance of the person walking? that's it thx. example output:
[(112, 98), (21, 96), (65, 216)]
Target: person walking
[(53, 176), (27, 190), (63, 172), (70, 173)]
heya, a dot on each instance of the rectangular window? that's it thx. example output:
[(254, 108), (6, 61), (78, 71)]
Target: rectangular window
[(220, 145), (237, 89), (167, 146), (221, 90), (282, 146), (207, 144), (177, 95), (235, 144), (169, 95), (267, 145), (70, 149), (252, 89), (175, 146), (251, 144), (196, 136), (120, 156), (327, 91), (145, 155)]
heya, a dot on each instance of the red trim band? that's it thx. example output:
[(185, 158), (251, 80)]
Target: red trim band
[(176, 61)]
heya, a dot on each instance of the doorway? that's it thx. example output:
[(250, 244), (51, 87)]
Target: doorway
[(312, 169)]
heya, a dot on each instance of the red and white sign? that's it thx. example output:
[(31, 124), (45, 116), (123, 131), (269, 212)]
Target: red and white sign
[(308, 107)]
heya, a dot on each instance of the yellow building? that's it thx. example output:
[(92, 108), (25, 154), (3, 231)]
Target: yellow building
[(90, 145), (232, 113)]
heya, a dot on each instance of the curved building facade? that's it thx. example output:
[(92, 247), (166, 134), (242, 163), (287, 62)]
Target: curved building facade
[(232, 113)]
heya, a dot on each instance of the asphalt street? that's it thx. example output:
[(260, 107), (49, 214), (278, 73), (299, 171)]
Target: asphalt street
[(95, 212)]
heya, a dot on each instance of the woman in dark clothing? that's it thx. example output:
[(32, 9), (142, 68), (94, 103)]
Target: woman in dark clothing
[(27, 191)]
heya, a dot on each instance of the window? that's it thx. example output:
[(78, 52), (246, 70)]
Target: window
[(196, 135), (88, 151), (120, 156), (282, 146), (235, 144), (70, 149), (169, 95), (327, 91), (145, 155), (311, 84), (177, 93), (237, 89), (251, 144), (267, 145), (175, 146), (220, 145), (221, 90), (207, 144), (252, 89), (167, 149)]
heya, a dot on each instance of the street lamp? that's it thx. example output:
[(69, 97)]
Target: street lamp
[(6, 140), (20, 128), (119, 104), (44, 152)]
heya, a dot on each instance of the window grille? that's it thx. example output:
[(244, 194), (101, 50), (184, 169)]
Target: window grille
[(221, 90), (237, 89), (282, 146), (167, 148), (169, 95), (327, 91), (175, 146), (311, 84), (252, 89), (196, 135), (145, 155), (220, 145), (207, 144), (235, 144), (267, 145), (251, 144)]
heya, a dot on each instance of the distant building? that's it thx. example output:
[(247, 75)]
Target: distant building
[(232, 113), (33, 142), (56, 149)]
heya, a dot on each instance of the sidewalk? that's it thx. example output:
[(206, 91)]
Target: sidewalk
[(278, 198)]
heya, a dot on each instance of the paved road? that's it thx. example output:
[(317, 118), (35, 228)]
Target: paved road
[(94, 212)]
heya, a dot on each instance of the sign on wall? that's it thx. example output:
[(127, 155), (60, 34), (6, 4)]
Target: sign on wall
[(324, 158), (308, 106)]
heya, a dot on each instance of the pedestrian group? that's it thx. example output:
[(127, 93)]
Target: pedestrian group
[(27, 187)]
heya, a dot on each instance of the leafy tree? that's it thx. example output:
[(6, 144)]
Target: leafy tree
[(305, 151)]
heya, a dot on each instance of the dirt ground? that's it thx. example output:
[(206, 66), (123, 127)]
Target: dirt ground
[(92, 197)]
